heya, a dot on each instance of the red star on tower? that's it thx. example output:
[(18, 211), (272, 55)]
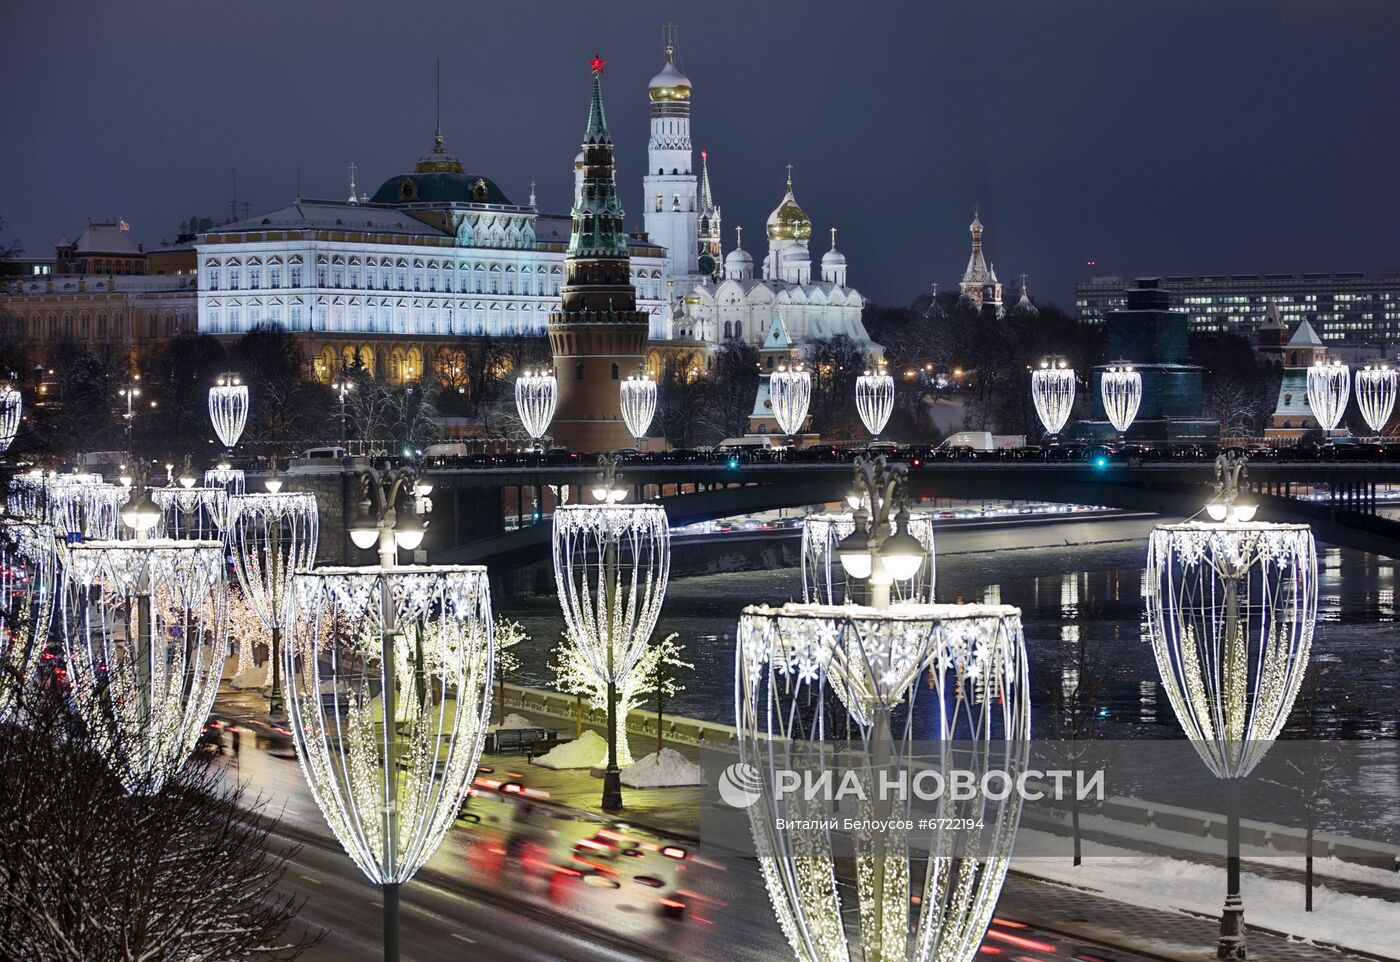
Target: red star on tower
[(597, 63)]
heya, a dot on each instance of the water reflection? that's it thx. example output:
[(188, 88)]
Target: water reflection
[(1081, 603)]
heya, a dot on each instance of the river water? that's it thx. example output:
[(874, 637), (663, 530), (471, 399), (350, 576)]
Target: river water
[(1067, 592)]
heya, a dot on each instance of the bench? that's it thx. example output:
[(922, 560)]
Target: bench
[(505, 740)]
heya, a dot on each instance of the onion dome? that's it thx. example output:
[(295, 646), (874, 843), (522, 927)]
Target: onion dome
[(438, 160), (670, 84), (789, 221)]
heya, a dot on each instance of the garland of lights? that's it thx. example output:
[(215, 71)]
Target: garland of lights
[(638, 396), (824, 580), (27, 571), (199, 513), (1052, 390), (875, 400), (223, 476), (790, 392), (955, 673), (144, 626), (1375, 394), (228, 409), (536, 395), (272, 536), (412, 644), (1231, 609), (1329, 389), (1121, 390), (11, 409), (85, 511)]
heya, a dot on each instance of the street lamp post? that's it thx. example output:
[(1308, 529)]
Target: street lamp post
[(874, 400), (342, 386), (1121, 389), (130, 392), (880, 550), (1052, 390), (144, 625), (823, 577), (1329, 389), (377, 522), (611, 565), (1231, 606)]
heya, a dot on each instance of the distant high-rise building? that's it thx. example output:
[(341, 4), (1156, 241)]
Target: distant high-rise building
[(1340, 307), (598, 334)]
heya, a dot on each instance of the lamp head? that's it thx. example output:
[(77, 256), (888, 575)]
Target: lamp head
[(408, 532), (140, 513), (364, 527), (273, 481), (854, 553), (902, 553)]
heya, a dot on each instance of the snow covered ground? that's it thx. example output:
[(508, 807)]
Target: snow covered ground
[(582, 752), (1352, 921), (513, 721), (666, 769)]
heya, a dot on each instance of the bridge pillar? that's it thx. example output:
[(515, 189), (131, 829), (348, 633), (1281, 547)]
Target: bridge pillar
[(476, 514)]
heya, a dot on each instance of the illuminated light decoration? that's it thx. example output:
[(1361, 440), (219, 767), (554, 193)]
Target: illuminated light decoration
[(596, 64), (411, 646), (82, 510), (27, 573), (245, 629), (223, 476), (875, 400), (1231, 609), (1329, 389), (1052, 390), (536, 395), (1375, 394), (228, 409), (1121, 390), (199, 513), (11, 409), (956, 674), (824, 580), (144, 626), (790, 391), (611, 565), (638, 394), (272, 536)]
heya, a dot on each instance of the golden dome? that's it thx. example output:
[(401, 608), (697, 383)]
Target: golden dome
[(670, 84), (789, 221)]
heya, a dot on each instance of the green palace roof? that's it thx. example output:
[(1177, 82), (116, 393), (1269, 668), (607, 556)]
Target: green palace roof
[(439, 187)]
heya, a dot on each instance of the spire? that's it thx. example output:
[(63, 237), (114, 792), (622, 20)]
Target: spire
[(597, 132), (738, 238), (833, 238), (707, 203), (353, 199), (438, 160), (532, 193), (437, 122)]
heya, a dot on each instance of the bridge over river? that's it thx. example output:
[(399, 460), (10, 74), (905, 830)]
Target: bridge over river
[(472, 503)]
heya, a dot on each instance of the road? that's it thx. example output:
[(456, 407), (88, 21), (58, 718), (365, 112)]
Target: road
[(516, 885)]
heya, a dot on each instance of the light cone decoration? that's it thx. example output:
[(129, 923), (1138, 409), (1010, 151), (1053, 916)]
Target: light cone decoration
[(790, 392), (1375, 394), (273, 536), (11, 410), (1329, 389), (889, 889), (27, 574), (144, 633), (388, 683), (1052, 390), (83, 510), (874, 400), (536, 395), (199, 513), (1231, 609), (1121, 390), (611, 565), (638, 399), (824, 580), (228, 409)]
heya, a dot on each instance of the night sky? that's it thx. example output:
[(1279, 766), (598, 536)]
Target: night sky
[(1154, 137)]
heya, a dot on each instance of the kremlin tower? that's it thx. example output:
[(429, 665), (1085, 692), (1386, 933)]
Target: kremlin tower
[(672, 212), (598, 334)]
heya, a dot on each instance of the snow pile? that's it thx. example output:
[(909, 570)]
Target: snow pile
[(665, 769), (585, 751), (1352, 921), (513, 721), (255, 677)]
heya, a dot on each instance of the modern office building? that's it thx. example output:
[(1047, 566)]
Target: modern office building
[(1351, 307)]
